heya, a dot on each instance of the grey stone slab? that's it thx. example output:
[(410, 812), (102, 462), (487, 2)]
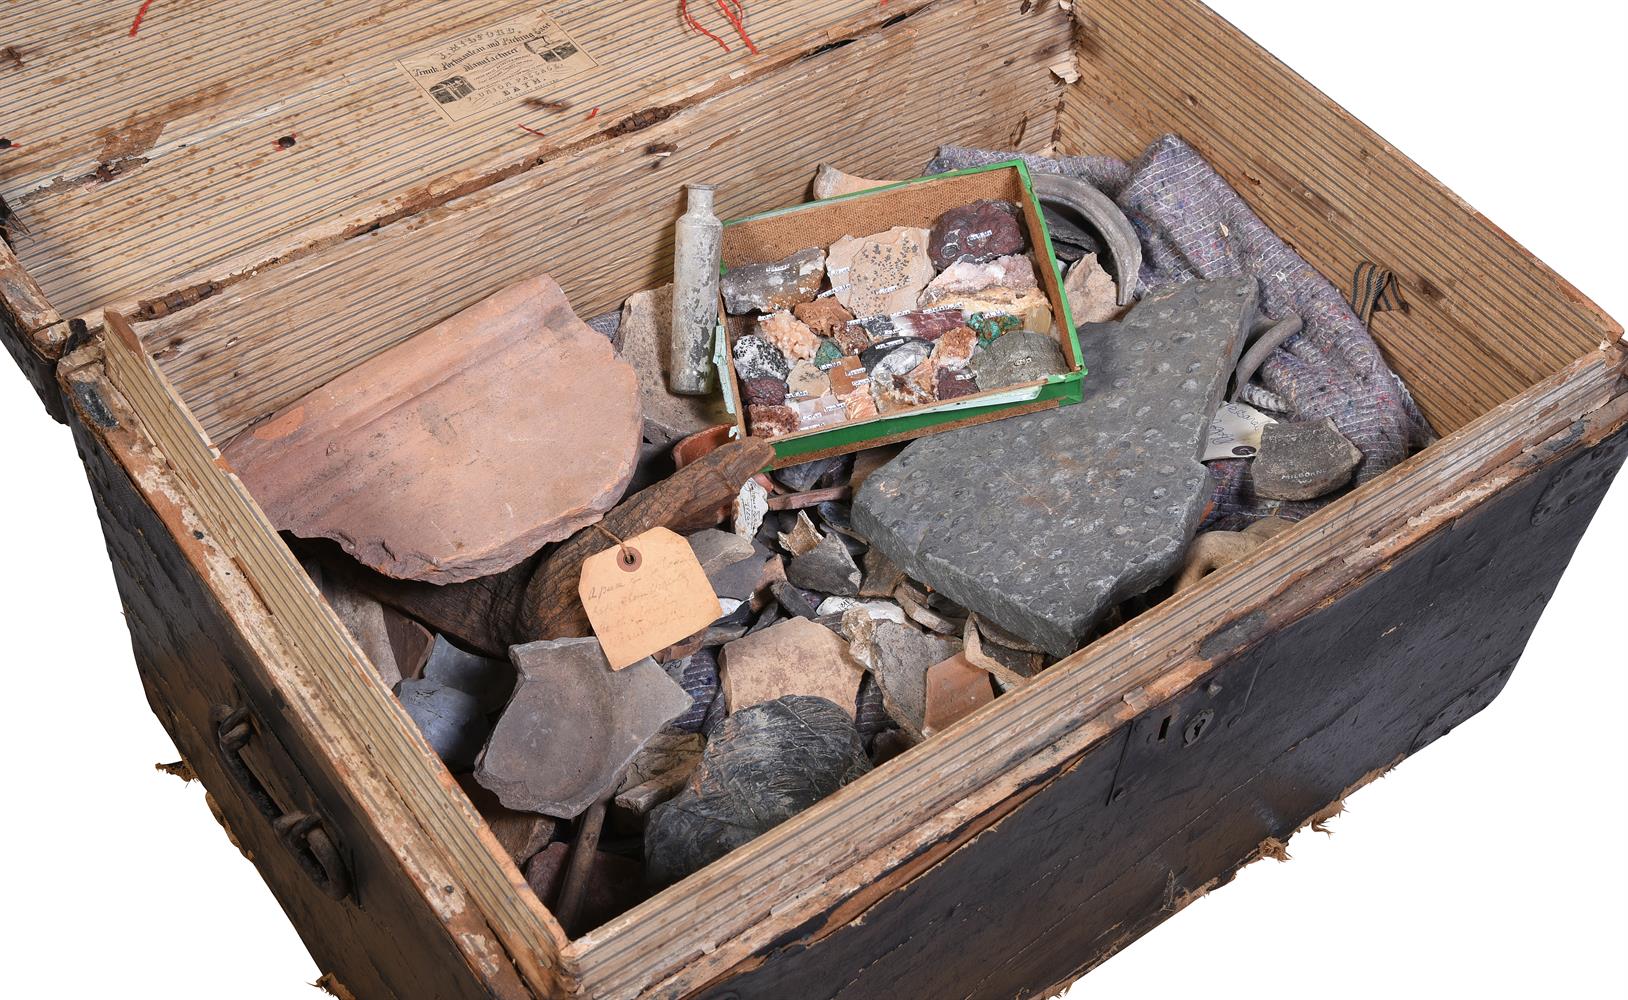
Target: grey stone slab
[(1303, 460), (1041, 523)]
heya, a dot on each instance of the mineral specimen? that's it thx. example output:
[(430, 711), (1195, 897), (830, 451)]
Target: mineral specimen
[(852, 338), (820, 411), (825, 315), (965, 278), (777, 285), (1030, 305), (828, 354), (1040, 523), (756, 358), (881, 274), (954, 384), (902, 360), (772, 421), (764, 391), (981, 231), (764, 765), (1092, 297), (893, 393), (954, 349), (1018, 357), (786, 332), (806, 380)]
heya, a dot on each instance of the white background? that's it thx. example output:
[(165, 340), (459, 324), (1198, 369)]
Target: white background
[(1492, 864)]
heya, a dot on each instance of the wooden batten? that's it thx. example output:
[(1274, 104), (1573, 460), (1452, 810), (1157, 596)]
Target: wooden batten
[(150, 171), (1486, 319)]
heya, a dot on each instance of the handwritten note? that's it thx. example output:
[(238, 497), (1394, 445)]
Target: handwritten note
[(644, 596)]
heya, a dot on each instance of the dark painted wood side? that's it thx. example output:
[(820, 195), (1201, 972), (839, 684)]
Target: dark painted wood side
[(1139, 826), (384, 942), (40, 371)]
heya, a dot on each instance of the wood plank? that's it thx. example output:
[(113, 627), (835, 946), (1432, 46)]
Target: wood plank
[(315, 676), (1080, 869), (263, 341), (1486, 319), (160, 188), (808, 867)]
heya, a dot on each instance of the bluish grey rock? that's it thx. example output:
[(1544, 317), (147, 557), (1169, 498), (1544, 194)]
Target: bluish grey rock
[(452, 721), (1041, 523)]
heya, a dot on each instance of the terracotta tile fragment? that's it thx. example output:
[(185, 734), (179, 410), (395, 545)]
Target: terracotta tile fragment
[(794, 656), (955, 689), (461, 451)]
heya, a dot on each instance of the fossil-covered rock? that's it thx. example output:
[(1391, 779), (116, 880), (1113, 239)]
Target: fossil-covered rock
[(764, 765), (880, 274)]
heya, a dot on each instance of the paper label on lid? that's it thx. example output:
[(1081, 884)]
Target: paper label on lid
[(645, 595), (479, 71)]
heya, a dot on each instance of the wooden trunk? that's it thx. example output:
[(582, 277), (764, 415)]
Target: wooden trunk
[(202, 226)]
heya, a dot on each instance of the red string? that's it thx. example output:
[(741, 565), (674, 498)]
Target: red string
[(533, 131), (135, 25), (684, 15), (591, 114), (737, 17)]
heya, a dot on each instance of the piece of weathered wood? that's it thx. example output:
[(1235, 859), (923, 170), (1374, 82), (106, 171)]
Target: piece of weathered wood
[(686, 501)]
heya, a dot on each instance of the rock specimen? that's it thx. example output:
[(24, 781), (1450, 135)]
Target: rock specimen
[(756, 358), (922, 324), (1018, 357), (646, 332), (794, 656), (977, 232), (852, 339), (829, 182), (573, 725), (777, 285), (1213, 550), (820, 411), (522, 835), (1040, 523), (802, 538), (763, 766), (900, 657), (486, 680), (825, 315), (1303, 460), (452, 722), (954, 349), (881, 274), (894, 393), (827, 569), (659, 771), (786, 332), (805, 475), (955, 689), (396, 645), (461, 451), (964, 278), (828, 354), (1092, 297)]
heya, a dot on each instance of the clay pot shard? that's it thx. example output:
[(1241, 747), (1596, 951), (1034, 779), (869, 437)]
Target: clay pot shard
[(1069, 196), (461, 451), (573, 726), (1213, 550)]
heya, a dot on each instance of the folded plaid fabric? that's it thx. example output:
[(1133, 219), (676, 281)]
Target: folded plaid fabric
[(1194, 225)]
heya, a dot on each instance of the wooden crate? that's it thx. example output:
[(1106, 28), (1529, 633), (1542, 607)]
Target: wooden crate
[(212, 218)]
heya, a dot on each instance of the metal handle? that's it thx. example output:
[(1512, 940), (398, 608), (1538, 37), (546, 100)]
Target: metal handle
[(302, 833)]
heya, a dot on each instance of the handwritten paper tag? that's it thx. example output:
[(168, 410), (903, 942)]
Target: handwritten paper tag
[(646, 595), (1235, 432)]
